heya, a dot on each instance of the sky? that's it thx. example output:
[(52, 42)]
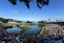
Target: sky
[(55, 10)]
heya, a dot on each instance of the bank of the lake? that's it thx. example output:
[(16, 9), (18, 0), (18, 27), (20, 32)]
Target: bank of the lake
[(44, 30), (52, 29)]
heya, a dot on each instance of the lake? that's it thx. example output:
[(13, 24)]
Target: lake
[(14, 30), (34, 30)]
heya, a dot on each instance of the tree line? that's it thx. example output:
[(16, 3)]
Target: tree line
[(6, 20)]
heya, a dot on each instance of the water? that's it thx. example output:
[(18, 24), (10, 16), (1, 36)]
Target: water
[(34, 30), (14, 30)]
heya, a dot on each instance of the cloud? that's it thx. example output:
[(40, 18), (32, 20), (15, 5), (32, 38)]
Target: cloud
[(15, 11)]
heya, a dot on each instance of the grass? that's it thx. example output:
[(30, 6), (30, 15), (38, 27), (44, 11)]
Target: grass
[(7, 24), (24, 28), (46, 25)]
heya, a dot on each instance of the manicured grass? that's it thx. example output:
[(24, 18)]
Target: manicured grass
[(10, 24), (7, 24), (25, 27)]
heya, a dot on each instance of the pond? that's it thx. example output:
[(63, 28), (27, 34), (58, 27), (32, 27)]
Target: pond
[(34, 30), (14, 30)]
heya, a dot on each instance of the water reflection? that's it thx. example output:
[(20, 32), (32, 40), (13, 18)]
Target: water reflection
[(34, 30), (14, 30)]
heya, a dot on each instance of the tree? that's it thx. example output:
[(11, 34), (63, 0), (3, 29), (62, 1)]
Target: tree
[(40, 3), (28, 22), (3, 20), (18, 21), (41, 21), (7, 20)]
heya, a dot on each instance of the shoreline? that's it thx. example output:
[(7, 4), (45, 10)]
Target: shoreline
[(39, 31), (51, 29)]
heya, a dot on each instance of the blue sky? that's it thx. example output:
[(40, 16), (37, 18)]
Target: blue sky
[(55, 10)]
